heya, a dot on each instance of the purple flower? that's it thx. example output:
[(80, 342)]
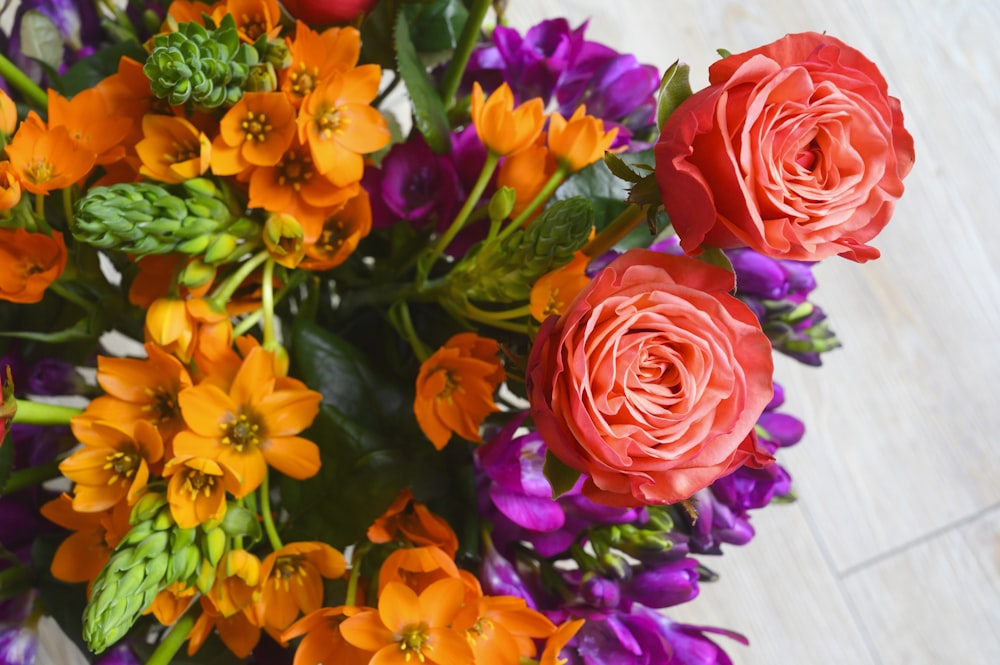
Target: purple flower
[(688, 644), (499, 576), (532, 64), (52, 376), (78, 23), (18, 644), (120, 654), (664, 585), (600, 592), (413, 184), (518, 487), (717, 523), (613, 86)]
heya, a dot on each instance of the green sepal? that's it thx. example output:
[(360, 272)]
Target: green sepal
[(428, 111), (560, 476), (716, 257), (675, 87)]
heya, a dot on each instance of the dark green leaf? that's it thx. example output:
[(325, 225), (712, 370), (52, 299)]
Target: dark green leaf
[(602, 187), (370, 445), (91, 70), (436, 25), (6, 461), (561, 477), (428, 110), (674, 89)]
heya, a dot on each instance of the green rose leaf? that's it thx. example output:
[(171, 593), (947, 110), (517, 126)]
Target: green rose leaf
[(674, 89)]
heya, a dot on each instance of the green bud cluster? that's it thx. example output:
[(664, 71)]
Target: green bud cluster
[(504, 271), (154, 554), (206, 67), (144, 218)]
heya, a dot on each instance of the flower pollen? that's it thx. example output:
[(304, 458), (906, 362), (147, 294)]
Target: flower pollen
[(285, 568), (124, 465), (241, 433), (295, 169), (413, 641), (256, 127)]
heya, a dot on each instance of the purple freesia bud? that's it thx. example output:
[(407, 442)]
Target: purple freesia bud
[(665, 585), (746, 488), (781, 428), (758, 275), (499, 576), (600, 592), (716, 524)]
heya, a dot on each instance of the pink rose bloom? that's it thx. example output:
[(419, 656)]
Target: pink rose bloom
[(652, 381), (795, 150)]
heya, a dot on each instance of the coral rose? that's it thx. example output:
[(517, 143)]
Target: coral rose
[(652, 380), (794, 149)]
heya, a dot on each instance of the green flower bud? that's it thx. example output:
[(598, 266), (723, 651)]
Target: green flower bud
[(504, 271), (213, 545), (203, 67), (144, 218)]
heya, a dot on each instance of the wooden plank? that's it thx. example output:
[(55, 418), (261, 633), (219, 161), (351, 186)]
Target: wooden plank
[(938, 601)]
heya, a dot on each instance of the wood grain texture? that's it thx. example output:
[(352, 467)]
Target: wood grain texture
[(901, 450)]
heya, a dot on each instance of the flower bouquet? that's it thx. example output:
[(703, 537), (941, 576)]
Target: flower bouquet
[(383, 332)]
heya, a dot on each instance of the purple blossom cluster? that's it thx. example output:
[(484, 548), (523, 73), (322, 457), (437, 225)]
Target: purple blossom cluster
[(570, 557), (777, 291), (556, 63)]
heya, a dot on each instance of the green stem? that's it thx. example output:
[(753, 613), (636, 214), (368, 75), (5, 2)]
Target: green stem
[(172, 643), (30, 477), (39, 205), (400, 314), (265, 513), (248, 322), (543, 195), (67, 201), (351, 597), (470, 312), (225, 291), (59, 289), (17, 79), (485, 315), (14, 579), (267, 303), (463, 49), (619, 227), (40, 413), (442, 243)]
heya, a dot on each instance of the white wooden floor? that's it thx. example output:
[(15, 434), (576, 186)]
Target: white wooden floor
[(891, 556)]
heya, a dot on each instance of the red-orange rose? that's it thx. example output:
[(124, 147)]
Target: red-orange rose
[(328, 12), (795, 149), (652, 381)]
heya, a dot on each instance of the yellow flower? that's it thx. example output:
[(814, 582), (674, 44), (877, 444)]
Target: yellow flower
[(502, 128), (580, 141)]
